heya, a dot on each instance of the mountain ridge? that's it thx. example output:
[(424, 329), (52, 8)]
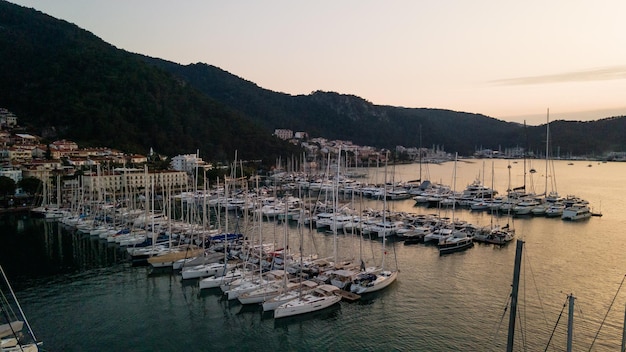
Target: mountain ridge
[(65, 82)]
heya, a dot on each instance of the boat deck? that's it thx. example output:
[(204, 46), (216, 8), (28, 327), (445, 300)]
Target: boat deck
[(348, 296)]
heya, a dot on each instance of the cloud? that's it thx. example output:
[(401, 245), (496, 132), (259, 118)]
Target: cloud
[(599, 74)]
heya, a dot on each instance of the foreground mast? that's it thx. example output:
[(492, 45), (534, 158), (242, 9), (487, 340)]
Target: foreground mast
[(513, 312)]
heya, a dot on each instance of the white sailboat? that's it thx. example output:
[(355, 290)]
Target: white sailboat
[(494, 233), (282, 284), (289, 295), (219, 279), (273, 288), (205, 270), (374, 279), (459, 239), (319, 298)]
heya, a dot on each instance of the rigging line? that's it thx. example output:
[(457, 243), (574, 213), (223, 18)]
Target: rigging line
[(556, 324), (506, 307), (532, 275), (17, 303), (13, 331), (607, 313), (585, 325)]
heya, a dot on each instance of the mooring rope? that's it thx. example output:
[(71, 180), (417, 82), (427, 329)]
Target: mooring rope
[(607, 313)]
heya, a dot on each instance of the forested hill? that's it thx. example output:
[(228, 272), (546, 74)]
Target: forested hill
[(349, 117), (64, 82)]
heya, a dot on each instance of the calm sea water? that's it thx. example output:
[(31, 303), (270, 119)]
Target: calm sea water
[(82, 295)]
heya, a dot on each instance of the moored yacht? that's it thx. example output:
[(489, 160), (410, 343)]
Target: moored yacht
[(319, 298), (555, 209), (578, 211), (371, 281), (289, 295)]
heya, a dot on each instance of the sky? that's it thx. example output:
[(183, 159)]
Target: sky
[(510, 60)]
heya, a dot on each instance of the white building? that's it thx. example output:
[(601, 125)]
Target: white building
[(284, 134), (133, 181), (188, 163), (301, 135), (7, 118)]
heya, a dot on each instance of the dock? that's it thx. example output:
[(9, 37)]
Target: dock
[(18, 209), (348, 296)]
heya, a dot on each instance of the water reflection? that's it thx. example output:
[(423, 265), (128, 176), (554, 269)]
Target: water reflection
[(35, 247)]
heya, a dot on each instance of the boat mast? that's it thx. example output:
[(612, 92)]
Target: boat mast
[(335, 201), (525, 156), (420, 154), (513, 311), (382, 266), (624, 333), (547, 148), (570, 322)]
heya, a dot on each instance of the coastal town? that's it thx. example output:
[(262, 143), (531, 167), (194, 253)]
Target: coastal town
[(311, 176), (102, 170), (25, 155), (159, 217)]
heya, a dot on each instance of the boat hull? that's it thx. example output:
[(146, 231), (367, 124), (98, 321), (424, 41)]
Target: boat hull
[(382, 280), (286, 310)]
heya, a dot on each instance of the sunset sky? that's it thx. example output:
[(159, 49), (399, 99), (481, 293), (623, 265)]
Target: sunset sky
[(504, 59)]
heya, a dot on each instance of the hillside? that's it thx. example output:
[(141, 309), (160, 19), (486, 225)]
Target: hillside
[(349, 117), (64, 82), (338, 116)]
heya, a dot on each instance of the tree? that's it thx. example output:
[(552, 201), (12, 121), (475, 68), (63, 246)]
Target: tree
[(30, 185), (7, 186), (48, 152)]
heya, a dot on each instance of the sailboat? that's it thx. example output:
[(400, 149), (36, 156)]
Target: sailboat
[(213, 267), (323, 296), (458, 240), (289, 294), (494, 233), (551, 198), (13, 338), (373, 279)]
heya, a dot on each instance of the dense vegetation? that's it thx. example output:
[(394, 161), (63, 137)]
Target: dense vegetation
[(64, 82), (338, 116), (347, 117)]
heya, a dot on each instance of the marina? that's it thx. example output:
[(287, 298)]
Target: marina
[(88, 286)]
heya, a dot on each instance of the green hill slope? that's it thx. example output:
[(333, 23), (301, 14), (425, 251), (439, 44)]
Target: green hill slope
[(64, 82)]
